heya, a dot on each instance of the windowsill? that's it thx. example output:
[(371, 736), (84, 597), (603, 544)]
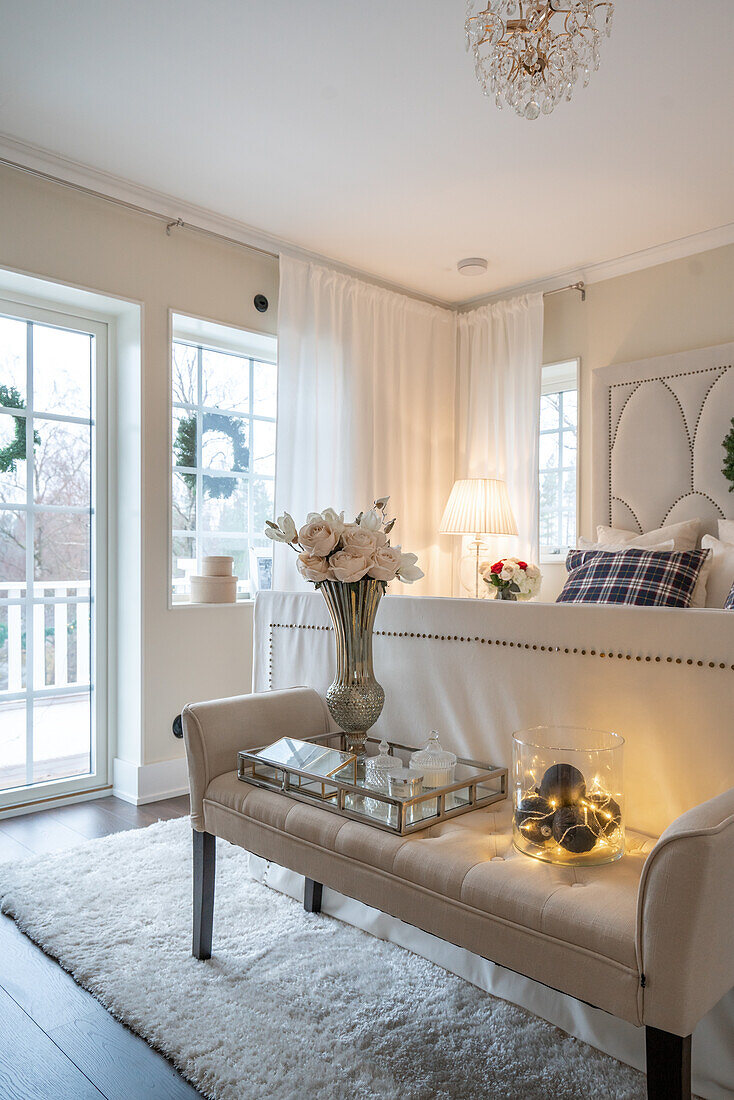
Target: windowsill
[(186, 606)]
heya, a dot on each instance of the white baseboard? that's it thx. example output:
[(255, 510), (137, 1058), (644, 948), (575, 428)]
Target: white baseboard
[(141, 783)]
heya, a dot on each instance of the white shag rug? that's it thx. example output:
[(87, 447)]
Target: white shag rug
[(291, 1004)]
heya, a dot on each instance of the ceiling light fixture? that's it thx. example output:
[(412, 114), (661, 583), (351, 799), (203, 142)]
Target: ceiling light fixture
[(531, 53), (474, 265)]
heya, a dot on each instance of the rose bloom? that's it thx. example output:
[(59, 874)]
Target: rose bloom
[(361, 538), (497, 567), (350, 564), (334, 519), (509, 571), (386, 563), (318, 537), (313, 568)]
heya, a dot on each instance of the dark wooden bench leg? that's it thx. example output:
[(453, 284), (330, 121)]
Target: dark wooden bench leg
[(312, 892), (205, 856), (668, 1065)]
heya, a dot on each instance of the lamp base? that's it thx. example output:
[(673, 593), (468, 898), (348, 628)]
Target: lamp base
[(469, 578)]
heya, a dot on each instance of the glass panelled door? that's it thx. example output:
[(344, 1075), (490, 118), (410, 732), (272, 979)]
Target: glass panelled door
[(51, 543)]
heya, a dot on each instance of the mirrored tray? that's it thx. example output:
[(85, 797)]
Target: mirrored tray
[(364, 798)]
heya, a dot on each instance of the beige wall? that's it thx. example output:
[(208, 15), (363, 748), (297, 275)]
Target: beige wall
[(673, 307), (47, 230)]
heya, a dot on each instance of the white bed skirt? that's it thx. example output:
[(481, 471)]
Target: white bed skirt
[(477, 671)]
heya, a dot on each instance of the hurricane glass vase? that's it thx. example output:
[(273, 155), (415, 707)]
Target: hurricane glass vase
[(355, 699), (567, 799)]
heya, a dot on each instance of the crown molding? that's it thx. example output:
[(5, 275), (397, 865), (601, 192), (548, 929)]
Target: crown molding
[(612, 269), (163, 205)]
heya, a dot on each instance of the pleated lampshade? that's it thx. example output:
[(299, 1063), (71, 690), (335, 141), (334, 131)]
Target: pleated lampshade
[(478, 506)]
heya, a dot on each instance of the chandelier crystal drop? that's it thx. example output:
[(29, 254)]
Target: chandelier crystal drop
[(531, 54)]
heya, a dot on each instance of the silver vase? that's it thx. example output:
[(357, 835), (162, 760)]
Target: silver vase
[(355, 698)]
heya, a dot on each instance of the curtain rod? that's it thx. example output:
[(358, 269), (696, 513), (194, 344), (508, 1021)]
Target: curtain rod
[(179, 223), (581, 287), (171, 223)]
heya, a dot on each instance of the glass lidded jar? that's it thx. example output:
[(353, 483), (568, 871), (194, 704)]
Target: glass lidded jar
[(567, 795), (437, 764), (379, 767)]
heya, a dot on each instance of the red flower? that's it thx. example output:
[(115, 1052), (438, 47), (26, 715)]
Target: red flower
[(522, 564), (497, 567)]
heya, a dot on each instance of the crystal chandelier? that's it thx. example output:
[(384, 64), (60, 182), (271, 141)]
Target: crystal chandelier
[(531, 53)]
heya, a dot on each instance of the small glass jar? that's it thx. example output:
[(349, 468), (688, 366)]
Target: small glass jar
[(378, 767), (567, 795), (437, 764)]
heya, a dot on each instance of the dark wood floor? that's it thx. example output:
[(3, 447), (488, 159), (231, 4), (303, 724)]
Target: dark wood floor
[(56, 1041)]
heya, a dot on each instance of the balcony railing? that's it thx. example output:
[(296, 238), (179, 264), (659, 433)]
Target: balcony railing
[(58, 641)]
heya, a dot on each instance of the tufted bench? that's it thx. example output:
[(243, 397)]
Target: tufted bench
[(647, 938)]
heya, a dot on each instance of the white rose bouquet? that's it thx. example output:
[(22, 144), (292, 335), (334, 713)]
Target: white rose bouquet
[(512, 579), (329, 549)]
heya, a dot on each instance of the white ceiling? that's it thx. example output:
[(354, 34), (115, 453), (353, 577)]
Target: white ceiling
[(358, 130)]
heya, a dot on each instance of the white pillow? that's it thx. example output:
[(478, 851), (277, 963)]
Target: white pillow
[(726, 531), (721, 574), (685, 535), (617, 548)]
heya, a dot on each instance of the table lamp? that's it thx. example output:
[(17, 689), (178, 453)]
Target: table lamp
[(478, 506)]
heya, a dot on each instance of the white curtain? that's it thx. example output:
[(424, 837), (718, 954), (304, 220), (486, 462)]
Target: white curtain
[(366, 390), (500, 349)]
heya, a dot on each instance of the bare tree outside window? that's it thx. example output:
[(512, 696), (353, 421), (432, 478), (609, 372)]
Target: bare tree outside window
[(223, 444), (558, 447), (47, 434)]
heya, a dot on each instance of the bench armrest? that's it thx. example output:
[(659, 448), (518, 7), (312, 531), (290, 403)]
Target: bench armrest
[(685, 947), (215, 731)]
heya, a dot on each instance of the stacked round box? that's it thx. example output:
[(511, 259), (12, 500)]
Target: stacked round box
[(216, 584)]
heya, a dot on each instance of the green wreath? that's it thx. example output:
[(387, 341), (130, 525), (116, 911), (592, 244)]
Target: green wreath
[(16, 450), (184, 448), (728, 467)]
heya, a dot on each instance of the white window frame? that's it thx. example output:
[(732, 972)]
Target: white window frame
[(97, 778), (247, 344), (561, 377)]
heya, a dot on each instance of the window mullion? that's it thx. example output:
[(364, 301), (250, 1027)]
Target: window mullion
[(199, 450), (560, 468), (249, 475), (29, 562)]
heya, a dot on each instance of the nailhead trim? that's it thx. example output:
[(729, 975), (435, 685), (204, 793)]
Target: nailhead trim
[(694, 493), (618, 385), (607, 654), (631, 511), (690, 439)]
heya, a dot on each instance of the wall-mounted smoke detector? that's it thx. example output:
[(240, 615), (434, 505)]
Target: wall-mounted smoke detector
[(474, 265)]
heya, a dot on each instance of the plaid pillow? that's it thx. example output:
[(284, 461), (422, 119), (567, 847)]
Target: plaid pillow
[(643, 577), (729, 605)]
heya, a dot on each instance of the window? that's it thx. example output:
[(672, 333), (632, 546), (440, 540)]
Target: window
[(558, 459), (52, 540), (224, 401)]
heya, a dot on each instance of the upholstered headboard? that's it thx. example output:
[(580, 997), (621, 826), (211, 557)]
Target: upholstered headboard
[(658, 426)]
